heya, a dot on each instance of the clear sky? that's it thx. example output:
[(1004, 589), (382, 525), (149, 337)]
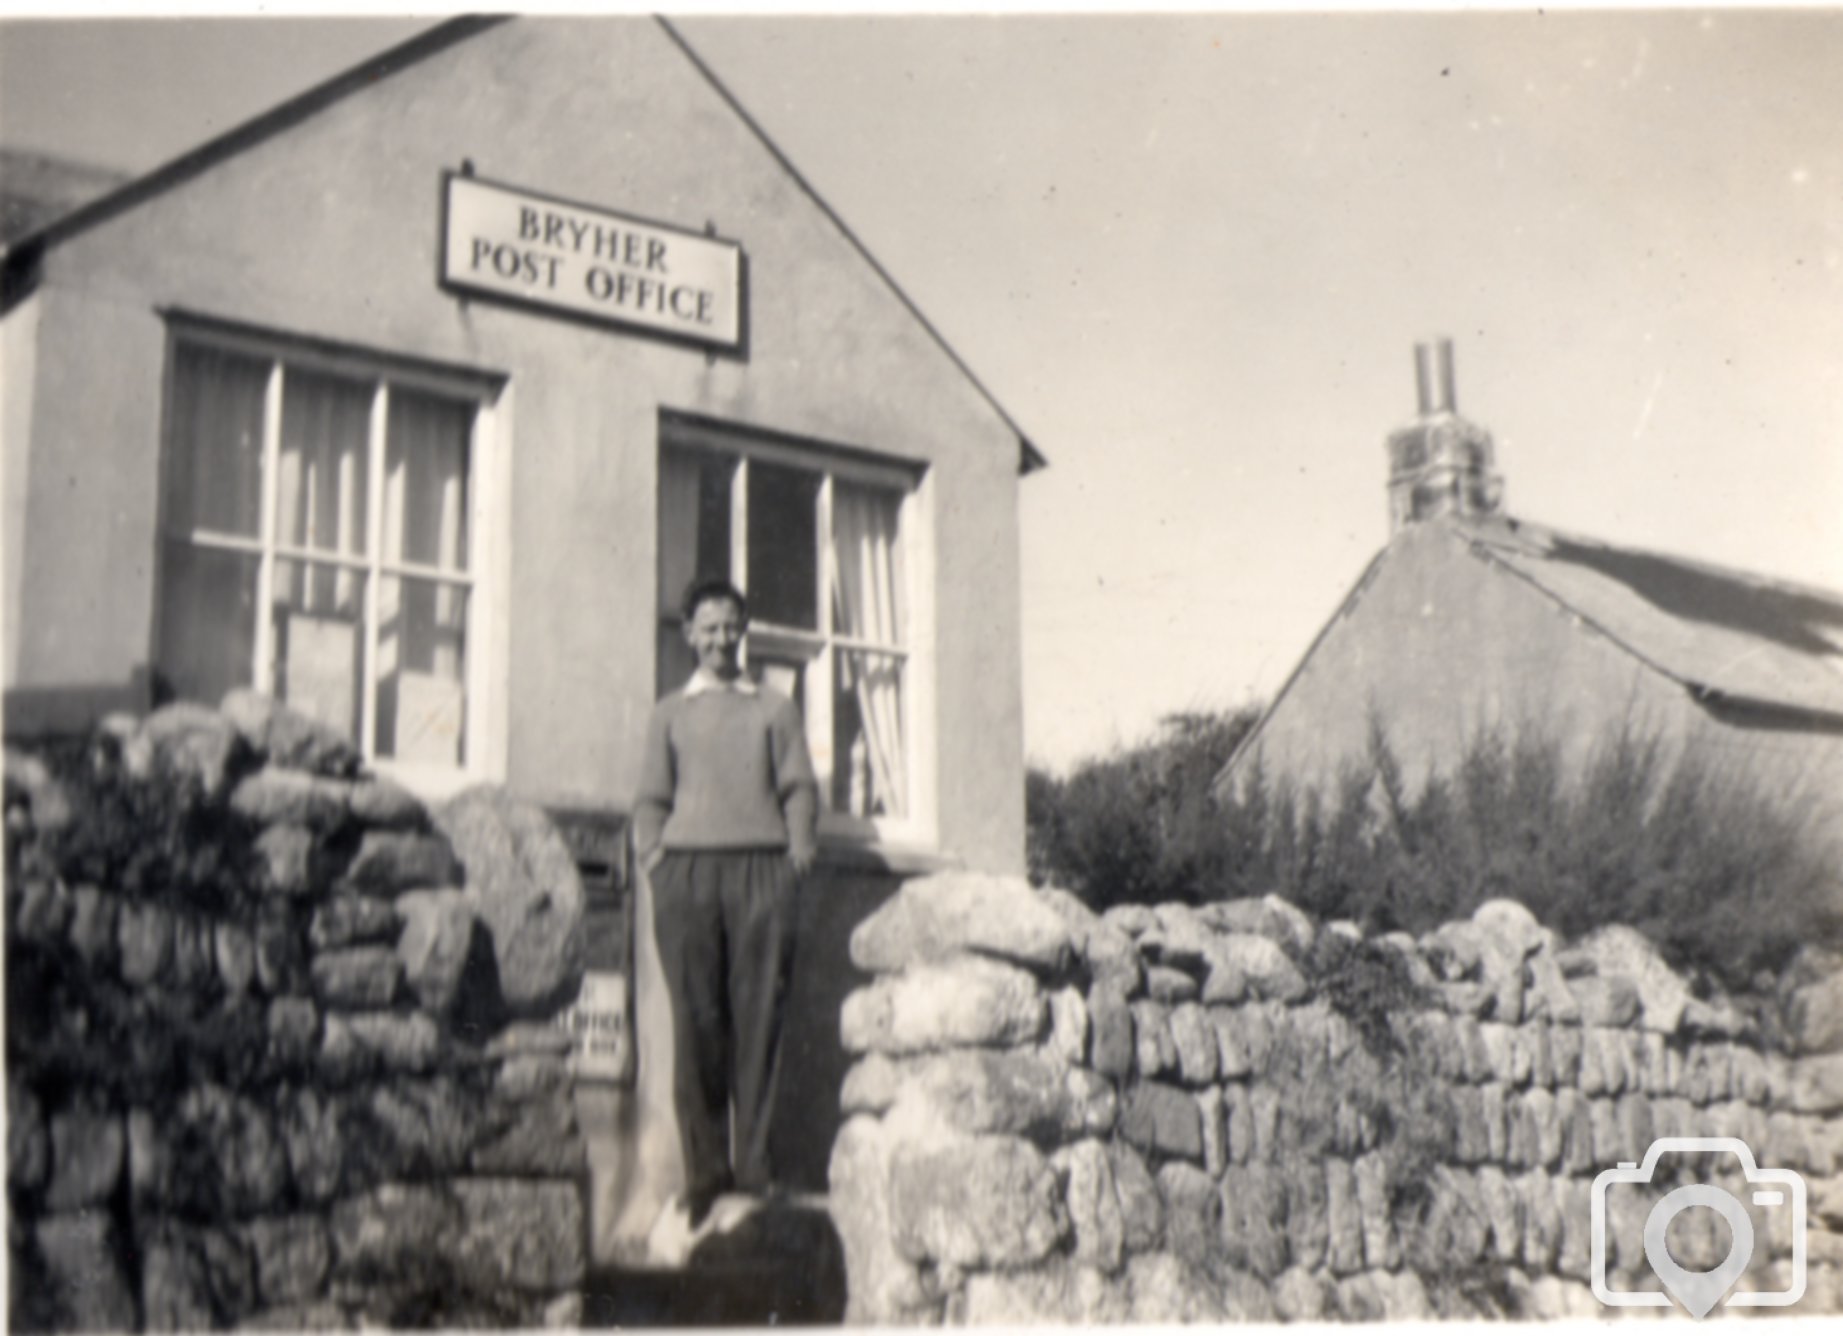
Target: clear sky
[(1191, 255)]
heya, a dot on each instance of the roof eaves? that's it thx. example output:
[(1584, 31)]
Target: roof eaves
[(1030, 459), (28, 249), (1759, 707)]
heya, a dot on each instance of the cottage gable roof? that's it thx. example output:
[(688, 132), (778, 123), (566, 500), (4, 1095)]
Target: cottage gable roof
[(1726, 635), (22, 256)]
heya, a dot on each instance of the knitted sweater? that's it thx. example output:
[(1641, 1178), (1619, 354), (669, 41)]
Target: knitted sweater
[(725, 770)]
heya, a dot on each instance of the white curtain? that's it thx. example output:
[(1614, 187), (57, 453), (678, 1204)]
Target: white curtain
[(425, 522), (320, 496), (867, 565), (215, 480), (420, 665), (214, 485)]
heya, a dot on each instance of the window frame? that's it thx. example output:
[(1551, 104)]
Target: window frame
[(911, 482), (484, 743)]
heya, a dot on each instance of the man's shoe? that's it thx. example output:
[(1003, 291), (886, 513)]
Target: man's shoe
[(671, 1239), (727, 1213)]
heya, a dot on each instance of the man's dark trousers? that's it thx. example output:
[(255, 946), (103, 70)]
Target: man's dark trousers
[(724, 921)]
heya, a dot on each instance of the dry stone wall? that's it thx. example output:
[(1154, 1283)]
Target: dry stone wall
[(1234, 1112), (280, 1041)]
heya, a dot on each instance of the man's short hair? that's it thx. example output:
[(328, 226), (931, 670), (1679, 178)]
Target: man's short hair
[(710, 589)]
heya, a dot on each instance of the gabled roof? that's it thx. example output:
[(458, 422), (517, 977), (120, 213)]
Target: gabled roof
[(249, 133), (1724, 634), (1030, 458), (37, 189), (19, 268), (21, 258)]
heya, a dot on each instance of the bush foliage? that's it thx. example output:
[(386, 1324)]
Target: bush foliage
[(1138, 827), (1722, 875)]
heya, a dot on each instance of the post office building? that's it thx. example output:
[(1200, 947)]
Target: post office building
[(418, 401)]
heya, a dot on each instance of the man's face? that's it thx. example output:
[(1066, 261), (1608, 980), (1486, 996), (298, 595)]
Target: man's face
[(715, 635)]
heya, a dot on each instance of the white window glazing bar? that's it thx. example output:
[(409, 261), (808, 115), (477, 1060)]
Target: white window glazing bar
[(823, 671), (262, 672), (442, 575), (374, 538), (916, 532), (739, 524), (812, 641), (289, 552), (219, 542), (870, 646), (475, 618), (739, 535)]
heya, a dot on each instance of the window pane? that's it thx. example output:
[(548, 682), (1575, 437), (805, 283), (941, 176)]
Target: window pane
[(694, 522), (673, 660), (422, 669), (319, 636), (871, 774), (321, 491), (207, 621), (785, 673), (867, 563), (783, 580), (425, 507), (214, 473), (320, 587)]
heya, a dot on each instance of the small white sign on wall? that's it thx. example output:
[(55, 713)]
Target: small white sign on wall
[(320, 669), (599, 1023), (588, 262)]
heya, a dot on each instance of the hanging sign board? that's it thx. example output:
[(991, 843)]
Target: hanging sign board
[(569, 257)]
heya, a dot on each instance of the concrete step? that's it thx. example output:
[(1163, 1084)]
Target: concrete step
[(784, 1265)]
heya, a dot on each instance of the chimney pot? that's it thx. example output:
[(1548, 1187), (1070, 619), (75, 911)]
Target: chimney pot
[(1433, 378)]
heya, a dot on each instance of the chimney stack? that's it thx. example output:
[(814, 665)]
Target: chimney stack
[(1440, 464)]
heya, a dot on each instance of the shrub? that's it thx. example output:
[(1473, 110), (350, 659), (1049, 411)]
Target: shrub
[(1137, 827), (1725, 877), (1366, 984)]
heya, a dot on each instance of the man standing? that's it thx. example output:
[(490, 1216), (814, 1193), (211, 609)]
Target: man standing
[(725, 823)]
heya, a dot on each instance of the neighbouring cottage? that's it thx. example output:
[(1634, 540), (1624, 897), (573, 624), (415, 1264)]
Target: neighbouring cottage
[(416, 402), (1470, 620)]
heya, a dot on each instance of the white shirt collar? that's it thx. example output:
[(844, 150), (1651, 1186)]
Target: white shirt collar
[(702, 681)]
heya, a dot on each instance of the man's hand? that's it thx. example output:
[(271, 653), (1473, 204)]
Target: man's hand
[(802, 860)]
